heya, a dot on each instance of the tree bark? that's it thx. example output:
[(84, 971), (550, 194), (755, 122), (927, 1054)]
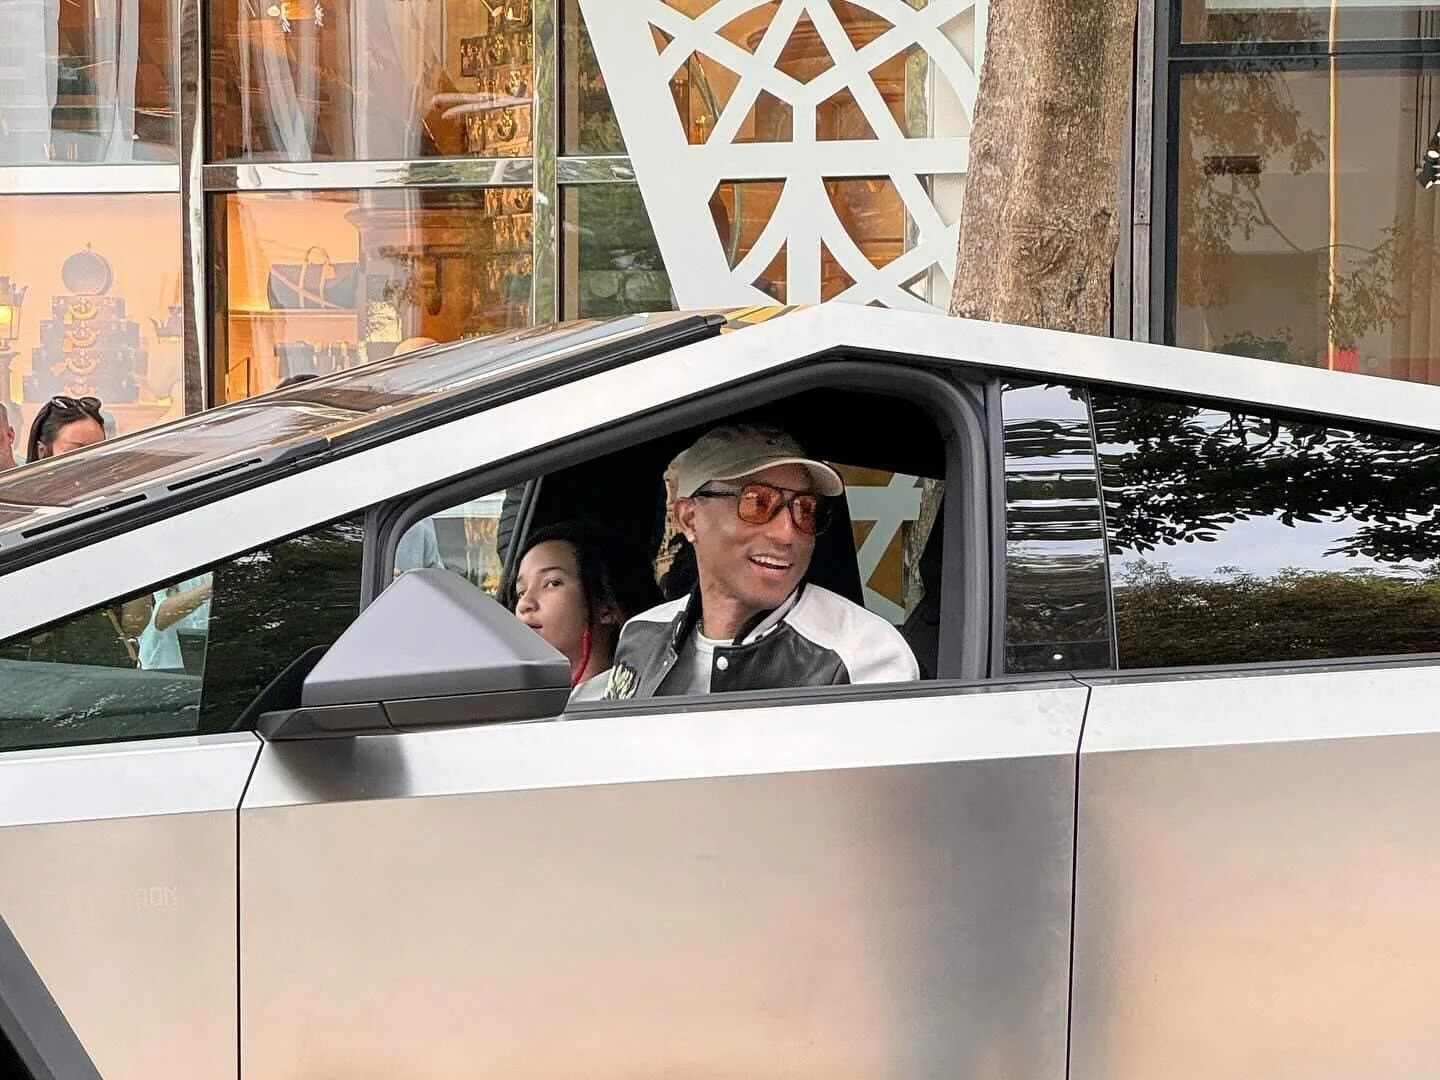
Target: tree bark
[(1038, 230)]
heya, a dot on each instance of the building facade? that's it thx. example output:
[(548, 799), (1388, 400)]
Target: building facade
[(200, 199)]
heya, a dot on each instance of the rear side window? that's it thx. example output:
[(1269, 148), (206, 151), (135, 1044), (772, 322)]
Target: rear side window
[(185, 657), (1238, 537)]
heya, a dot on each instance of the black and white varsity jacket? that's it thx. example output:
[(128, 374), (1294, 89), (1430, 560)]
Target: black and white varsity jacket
[(815, 638)]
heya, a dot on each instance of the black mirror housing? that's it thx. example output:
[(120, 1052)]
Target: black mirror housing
[(431, 651)]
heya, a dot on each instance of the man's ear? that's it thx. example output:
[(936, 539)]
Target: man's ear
[(685, 517)]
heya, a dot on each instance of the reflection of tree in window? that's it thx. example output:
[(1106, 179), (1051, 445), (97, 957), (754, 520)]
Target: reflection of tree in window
[(1355, 511), (270, 606), (619, 269), (1240, 127)]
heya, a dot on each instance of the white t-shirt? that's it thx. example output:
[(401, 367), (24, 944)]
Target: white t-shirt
[(592, 689), (693, 664), (160, 649)]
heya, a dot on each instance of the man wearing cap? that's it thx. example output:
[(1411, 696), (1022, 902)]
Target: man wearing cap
[(751, 504)]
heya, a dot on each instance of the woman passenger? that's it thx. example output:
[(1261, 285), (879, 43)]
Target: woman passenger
[(64, 424), (575, 585)]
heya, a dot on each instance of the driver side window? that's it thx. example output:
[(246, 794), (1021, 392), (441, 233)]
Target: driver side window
[(882, 548)]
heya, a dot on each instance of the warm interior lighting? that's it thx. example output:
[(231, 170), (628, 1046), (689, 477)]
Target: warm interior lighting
[(291, 11), (10, 300)]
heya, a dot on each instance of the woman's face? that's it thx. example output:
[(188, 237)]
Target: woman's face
[(74, 435), (550, 598)]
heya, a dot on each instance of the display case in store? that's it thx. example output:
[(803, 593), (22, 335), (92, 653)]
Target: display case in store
[(367, 80), (319, 281)]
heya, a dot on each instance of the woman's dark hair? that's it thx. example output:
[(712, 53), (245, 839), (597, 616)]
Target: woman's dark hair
[(612, 569), (54, 417)]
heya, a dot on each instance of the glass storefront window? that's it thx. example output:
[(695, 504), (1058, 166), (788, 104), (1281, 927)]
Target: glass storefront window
[(90, 291), (588, 124), (87, 82), (318, 281), (1307, 20), (1301, 232), (303, 80), (464, 539), (612, 262)]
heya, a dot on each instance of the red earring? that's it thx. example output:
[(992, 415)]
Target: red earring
[(579, 672)]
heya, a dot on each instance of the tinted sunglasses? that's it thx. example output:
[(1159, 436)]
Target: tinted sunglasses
[(758, 504), (90, 406)]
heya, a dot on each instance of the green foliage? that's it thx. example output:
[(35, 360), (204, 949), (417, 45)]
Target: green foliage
[(270, 606), (597, 132), (621, 270), (1163, 620), (1177, 473)]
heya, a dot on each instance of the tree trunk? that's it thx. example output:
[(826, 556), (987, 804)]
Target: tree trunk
[(1038, 230)]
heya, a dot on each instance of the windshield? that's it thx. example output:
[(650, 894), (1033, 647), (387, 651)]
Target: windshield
[(286, 423)]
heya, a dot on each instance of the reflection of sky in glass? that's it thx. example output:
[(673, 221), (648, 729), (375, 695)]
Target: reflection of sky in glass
[(1051, 496), (1262, 545), (1265, 546), (1046, 549), (1043, 403)]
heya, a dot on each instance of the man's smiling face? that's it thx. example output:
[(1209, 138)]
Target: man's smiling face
[(746, 569)]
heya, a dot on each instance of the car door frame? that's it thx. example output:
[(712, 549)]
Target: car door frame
[(965, 647), (39, 1037)]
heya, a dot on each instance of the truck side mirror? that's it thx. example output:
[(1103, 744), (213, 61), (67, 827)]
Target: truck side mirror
[(431, 651)]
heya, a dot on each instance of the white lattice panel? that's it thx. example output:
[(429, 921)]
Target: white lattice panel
[(677, 179)]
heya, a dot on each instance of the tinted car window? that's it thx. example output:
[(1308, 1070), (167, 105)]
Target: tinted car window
[(464, 538), (1237, 537), (185, 657), (274, 604), (1057, 614)]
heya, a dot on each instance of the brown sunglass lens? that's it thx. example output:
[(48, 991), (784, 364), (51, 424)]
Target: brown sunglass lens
[(806, 511), (759, 505)]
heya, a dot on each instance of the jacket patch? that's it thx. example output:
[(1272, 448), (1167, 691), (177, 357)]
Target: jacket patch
[(622, 683)]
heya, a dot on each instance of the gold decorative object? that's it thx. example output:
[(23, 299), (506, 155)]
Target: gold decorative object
[(12, 298), (88, 345)]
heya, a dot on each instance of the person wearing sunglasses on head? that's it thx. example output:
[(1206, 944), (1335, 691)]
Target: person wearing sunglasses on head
[(751, 504), (64, 424)]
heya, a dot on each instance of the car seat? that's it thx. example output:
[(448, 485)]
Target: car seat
[(921, 628)]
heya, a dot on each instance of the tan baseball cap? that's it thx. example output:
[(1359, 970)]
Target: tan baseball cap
[(739, 450)]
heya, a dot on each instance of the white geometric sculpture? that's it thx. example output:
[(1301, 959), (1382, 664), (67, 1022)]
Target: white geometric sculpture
[(677, 179)]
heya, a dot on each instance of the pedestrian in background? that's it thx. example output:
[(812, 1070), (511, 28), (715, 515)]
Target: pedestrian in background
[(63, 424), (7, 439)]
